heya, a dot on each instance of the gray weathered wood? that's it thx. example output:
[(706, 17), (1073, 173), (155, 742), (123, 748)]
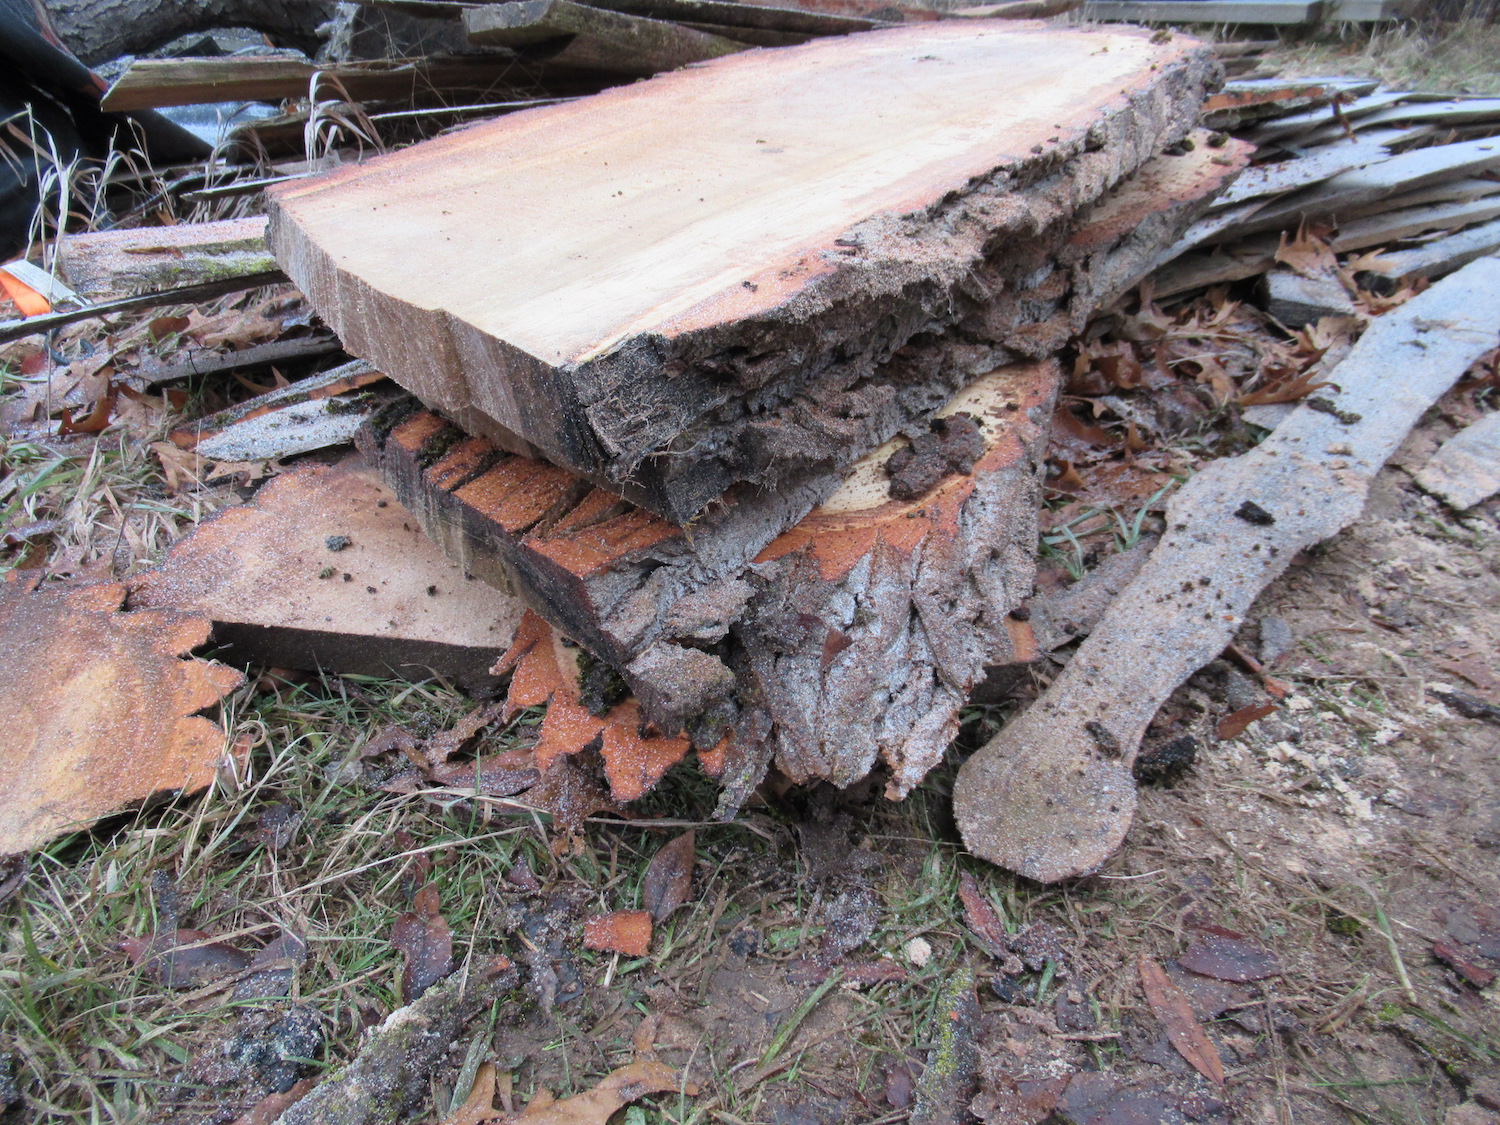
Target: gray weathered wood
[(119, 263), (687, 283), (1398, 226), (1205, 11), (1442, 255), (1466, 469), (1395, 175), (576, 36), (1302, 171), (1296, 300), (1052, 795)]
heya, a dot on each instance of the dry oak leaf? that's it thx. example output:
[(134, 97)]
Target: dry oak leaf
[(594, 1107), (101, 708), (544, 670), (1172, 1006), (185, 958)]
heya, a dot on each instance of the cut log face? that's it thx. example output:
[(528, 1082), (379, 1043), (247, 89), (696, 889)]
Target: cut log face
[(874, 616), (325, 571), (688, 282)]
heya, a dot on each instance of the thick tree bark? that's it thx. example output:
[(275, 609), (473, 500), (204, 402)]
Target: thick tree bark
[(99, 30)]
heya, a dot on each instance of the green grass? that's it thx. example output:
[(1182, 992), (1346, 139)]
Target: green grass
[(1455, 58)]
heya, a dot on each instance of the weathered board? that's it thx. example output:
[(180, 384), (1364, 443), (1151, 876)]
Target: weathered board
[(1466, 469), (114, 263), (688, 282), (579, 37), (325, 571)]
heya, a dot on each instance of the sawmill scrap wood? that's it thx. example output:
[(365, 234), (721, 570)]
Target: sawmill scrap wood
[(1395, 175), (874, 617), (699, 293), (101, 708), (1302, 171), (340, 380), (752, 36), (324, 570), (117, 263), (724, 13), (641, 593), (1466, 469), (577, 36), (1440, 256), (206, 361), (151, 83), (1051, 796)]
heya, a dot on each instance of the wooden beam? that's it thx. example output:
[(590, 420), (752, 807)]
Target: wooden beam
[(770, 226), (1442, 255), (324, 570), (576, 36)]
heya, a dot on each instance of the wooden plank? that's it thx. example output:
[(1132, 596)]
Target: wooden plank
[(1303, 171), (1052, 795), (1017, 10), (386, 602), (1296, 124), (1205, 11), (1442, 255), (1466, 468), (1398, 226), (575, 36), (1395, 175), (746, 16), (770, 225), (1244, 100), (117, 263), (152, 83), (751, 36), (1296, 300)]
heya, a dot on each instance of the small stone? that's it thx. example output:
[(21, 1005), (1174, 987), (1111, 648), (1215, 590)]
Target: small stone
[(918, 952), (337, 542)]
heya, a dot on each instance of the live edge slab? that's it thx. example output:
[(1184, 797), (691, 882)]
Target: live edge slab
[(696, 281)]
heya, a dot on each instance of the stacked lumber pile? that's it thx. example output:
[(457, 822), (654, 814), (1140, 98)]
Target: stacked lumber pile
[(746, 283), (731, 395)]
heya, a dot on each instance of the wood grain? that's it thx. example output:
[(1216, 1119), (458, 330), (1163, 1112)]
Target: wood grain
[(667, 286)]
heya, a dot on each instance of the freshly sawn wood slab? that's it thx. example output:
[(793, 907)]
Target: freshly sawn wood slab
[(688, 282), (324, 570)]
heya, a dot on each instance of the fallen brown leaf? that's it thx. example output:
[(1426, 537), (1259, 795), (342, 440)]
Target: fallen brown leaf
[(669, 877), (594, 1107), (981, 918), (1234, 724), (1172, 1007), (185, 958), (479, 1106), (1225, 955), (425, 940)]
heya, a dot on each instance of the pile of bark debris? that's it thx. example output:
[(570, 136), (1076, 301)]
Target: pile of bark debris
[(732, 403)]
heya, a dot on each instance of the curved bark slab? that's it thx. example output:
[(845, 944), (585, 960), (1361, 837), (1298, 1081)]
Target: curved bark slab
[(1052, 795)]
